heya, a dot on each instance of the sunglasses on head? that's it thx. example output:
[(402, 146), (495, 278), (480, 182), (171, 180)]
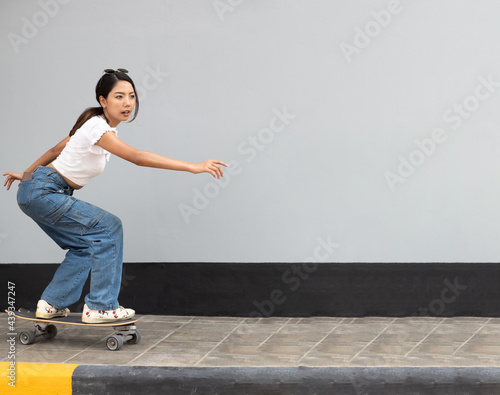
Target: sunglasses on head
[(112, 71)]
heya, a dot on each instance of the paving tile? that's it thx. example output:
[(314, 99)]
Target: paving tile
[(467, 327), (319, 321), (482, 360), (411, 327), (91, 357), (416, 320), (380, 360), (62, 343), (183, 347), (327, 350), (283, 338), (309, 327), (315, 360), (217, 320), (483, 337), (248, 338), (377, 350), (466, 320), (256, 328), (372, 321), (361, 328), (163, 318), (297, 350), (276, 320), (236, 349), (198, 335), (295, 320), (34, 355), (436, 349), (491, 349), (164, 326), (348, 338), (401, 337), (248, 361), (211, 325), (490, 329), (445, 338), (248, 356), (165, 359), (276, 341)]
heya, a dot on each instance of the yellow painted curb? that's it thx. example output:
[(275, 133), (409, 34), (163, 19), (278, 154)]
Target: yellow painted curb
[(36, 378)]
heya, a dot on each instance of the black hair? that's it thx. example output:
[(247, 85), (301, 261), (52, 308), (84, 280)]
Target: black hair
[(105, 84)]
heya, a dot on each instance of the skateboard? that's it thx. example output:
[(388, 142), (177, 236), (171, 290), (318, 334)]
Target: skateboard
[(125, 331)]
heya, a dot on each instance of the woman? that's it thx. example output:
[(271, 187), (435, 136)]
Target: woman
[(92, 236)]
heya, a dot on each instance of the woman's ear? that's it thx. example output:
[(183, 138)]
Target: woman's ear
[(102, 101)]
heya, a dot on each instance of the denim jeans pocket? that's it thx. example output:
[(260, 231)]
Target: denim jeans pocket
[(74, 214), (24, 193)]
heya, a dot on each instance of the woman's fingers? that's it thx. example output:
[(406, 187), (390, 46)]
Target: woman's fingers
[(213, 167), (11, 177)]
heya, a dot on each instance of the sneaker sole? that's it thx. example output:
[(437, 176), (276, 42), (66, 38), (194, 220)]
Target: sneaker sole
[(49, 315), (104, 320)]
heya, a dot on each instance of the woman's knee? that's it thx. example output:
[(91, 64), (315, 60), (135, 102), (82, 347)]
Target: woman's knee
[(112, 222)]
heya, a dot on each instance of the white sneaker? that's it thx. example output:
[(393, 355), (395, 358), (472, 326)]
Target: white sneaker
[(45, 310), (90, 316)]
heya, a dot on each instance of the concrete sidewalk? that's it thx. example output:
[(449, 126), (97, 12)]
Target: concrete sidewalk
[(291, 350)]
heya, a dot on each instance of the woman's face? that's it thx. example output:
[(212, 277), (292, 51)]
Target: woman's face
[(119, 104)]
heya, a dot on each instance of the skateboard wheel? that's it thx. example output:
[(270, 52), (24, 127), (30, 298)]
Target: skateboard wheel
[(114, 343), (136, 338), (27, 337), (50, 332)]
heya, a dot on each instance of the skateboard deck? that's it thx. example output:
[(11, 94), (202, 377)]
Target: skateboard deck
[(124, 330), (71, 319)]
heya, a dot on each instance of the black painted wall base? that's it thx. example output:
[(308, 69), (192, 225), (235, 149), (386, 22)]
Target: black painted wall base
[(288, 289)]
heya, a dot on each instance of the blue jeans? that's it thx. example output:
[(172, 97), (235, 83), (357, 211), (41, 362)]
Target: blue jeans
[(92, 236)]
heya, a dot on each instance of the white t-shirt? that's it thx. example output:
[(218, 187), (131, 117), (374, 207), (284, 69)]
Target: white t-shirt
[(81, 159)]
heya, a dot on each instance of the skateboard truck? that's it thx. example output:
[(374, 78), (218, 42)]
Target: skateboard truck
[(123, 333), (48, 331)]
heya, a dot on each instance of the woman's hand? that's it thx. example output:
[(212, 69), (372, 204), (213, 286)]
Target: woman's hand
[(210, 166), (11, 177)]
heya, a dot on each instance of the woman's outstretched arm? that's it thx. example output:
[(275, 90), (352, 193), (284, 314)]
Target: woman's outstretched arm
[(111, 143), (46, 159)]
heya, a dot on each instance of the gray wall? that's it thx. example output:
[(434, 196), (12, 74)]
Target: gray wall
[(357, 130)]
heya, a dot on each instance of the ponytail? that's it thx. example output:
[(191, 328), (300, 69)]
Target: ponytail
[(85, 116)]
